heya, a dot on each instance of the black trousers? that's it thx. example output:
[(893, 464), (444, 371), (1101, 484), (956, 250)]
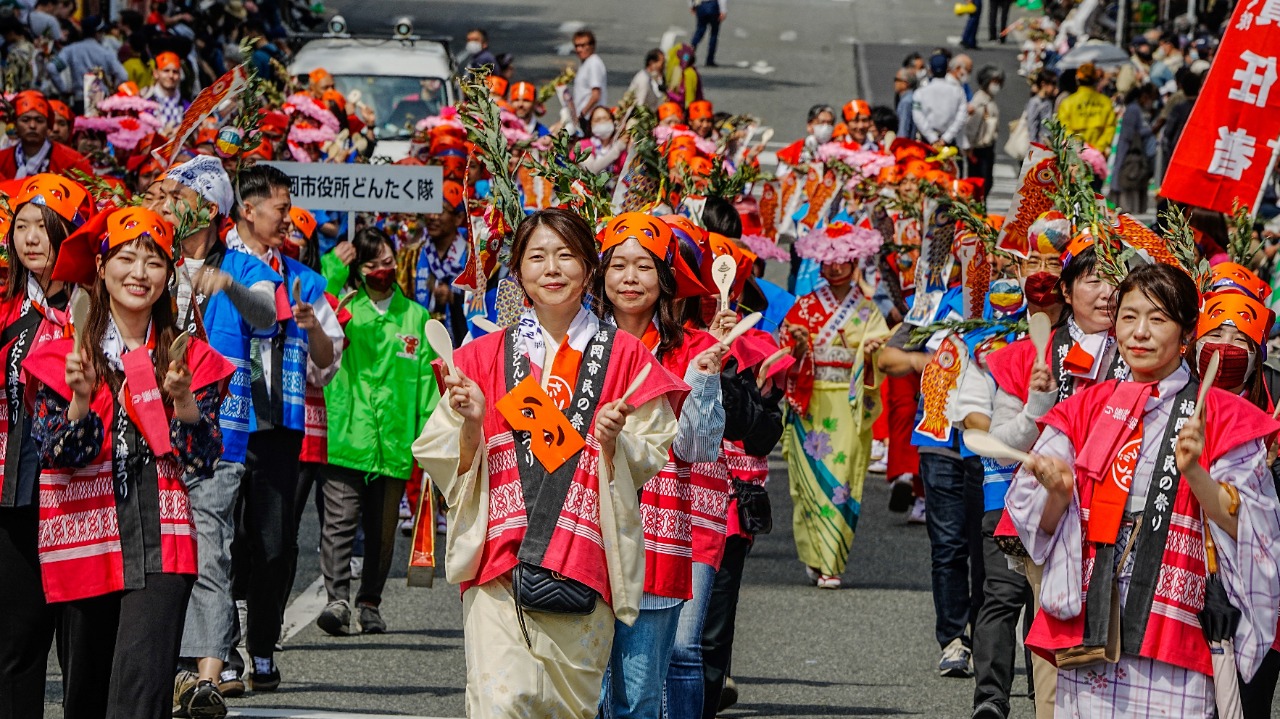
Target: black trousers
[(1256, 696), (264, 551), (717, 629), (997, 19), (118, 651), (26, 622), (309, 478), (1005, 595)]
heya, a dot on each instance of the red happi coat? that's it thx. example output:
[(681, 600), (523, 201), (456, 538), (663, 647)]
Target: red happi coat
[(315, 435), (79, 540), (666, 501), (1173, 634), (52, 326), (576, 549)]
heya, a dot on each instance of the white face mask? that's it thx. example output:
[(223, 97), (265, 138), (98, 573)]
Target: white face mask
[(962, 77), (474, 48), (994, 89), (822, 133), (602, 130)]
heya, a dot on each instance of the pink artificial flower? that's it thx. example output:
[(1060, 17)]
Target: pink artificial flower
[(839, 242)]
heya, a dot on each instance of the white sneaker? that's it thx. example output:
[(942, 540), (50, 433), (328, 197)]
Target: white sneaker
[(406, 526), (878, 466), (357, 567), (956, 661), (878, 450), (917, 512), (442, 524), (828, 582), (405, 511)]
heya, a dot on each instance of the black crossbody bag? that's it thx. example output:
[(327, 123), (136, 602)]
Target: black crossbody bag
[(755, 513)]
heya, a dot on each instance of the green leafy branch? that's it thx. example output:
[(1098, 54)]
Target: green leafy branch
[(920, 335), (1241, 247), (969, 214), (585, 191), (482, 118), (1182, 245), (105, 193)]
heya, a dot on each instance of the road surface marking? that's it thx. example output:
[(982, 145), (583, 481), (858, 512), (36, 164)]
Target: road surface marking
[(315, 714), (303, 610)]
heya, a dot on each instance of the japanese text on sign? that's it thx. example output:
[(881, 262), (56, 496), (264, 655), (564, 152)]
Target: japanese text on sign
[(364, 188)]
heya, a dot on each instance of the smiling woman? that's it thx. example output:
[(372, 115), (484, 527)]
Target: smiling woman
[(537, 411), (123, 420), (1180, 477)]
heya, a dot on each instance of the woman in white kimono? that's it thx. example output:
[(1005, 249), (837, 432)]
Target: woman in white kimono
[(540, 461), (1109, 502)]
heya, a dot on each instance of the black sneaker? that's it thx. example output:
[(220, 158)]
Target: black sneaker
[(728, 695), (371, 620), (230, 684), (989, 710), (335, 618), (207, 702), (901, 494), (264, 681)]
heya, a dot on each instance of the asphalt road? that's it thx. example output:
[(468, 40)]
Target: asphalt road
[(864, 651)]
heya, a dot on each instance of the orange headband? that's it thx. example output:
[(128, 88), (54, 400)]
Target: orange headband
[(454, 196), (653, 234), (856, 108), (60, 108), (319, 74), (670, 109), (1229, 276), (1247, 315), (523, 91), (303, 220), (168, 59), (701, 110), (30, 101), (59, 194), (107, 230), (496, 84)]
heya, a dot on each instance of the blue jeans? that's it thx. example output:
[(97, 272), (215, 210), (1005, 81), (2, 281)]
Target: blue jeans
[(970, 36), (685, 681), (210, 627), (953, 516), (638, 665), (708, 14)]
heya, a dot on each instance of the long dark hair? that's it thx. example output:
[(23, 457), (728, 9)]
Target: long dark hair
[(669, 328), (162, 322), (571, 228), (56, 229)]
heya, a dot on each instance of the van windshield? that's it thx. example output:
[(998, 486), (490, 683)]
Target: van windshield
[(398, 102)]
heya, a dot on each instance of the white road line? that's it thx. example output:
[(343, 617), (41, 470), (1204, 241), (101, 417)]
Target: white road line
[(316, 714), (304, 610)]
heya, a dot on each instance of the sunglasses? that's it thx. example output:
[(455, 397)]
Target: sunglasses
[(584, 44)]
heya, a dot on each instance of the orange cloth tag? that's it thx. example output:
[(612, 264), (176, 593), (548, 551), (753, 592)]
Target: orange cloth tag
[(529, 409), (1078, 361), (1112, 493)]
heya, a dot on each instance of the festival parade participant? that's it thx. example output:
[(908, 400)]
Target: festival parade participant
[(122, 605), (47, 209), (553, 654), (1189, 475), (638, 286), (833, 399)]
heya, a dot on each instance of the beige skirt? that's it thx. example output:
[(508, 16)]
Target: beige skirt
[(559, 676)]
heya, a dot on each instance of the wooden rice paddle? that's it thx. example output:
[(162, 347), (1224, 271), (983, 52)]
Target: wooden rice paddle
[(1210, 374), (346, 300), (769, 362), (178, 348), (984, 445), (1041, 328), (724, 271), (635, 383), (79, 318), (441, 343), (741, 328), (484, 324)]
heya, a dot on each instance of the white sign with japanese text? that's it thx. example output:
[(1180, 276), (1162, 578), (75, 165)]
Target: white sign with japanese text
[(364, 188)]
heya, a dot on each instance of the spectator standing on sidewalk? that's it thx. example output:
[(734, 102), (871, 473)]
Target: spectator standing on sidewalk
[(710, 13), (590, 84)]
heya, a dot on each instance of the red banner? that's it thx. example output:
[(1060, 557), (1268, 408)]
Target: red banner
[(227, 87), (1226, 150)]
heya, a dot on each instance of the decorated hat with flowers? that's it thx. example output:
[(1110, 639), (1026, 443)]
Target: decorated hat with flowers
[(839, 242)]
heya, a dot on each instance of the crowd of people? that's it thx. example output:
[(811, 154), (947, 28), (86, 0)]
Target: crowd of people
[(190, 358)]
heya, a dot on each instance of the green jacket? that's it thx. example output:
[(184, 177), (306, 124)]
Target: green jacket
[(385, 389)]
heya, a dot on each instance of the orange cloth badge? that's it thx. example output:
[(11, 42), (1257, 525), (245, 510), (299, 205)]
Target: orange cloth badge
[(65, 197), (168, 59), (856, 108), (303, 221), (551, 438), (670, 109), (109, 229), (1247, 315)]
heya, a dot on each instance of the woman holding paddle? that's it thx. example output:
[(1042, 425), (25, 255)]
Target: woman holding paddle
[(642, 276), (123, 411), (46, 208), (574, 417), (1115, 503)]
